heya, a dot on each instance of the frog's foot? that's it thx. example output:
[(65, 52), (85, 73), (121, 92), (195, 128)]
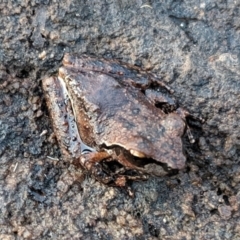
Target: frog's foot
[(117, 178), (190, 136), (185, 114), (134, 176), (103, 174)]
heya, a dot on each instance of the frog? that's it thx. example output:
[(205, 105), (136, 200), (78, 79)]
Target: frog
[(106, 120)]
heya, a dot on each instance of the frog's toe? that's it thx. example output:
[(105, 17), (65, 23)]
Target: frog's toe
[(101, 174)]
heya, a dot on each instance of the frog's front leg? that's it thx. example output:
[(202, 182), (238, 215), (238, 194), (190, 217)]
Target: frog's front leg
[(94, 162), (89, 159)]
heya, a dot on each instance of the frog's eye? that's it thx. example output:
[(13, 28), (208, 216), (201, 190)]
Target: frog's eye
[(137, 153)]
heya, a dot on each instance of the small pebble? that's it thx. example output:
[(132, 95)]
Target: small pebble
[(42, 55), (225, 211)]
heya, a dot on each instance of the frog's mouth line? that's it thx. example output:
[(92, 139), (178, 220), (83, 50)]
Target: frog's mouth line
[(141, 163)]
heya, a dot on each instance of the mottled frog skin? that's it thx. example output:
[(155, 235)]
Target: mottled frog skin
[(106, 121)]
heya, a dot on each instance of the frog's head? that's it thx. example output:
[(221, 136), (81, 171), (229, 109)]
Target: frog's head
[(164, 145)]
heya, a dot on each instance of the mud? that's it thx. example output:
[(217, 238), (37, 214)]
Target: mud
[(193, 46)]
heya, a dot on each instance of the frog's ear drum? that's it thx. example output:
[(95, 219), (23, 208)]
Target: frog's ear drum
[(136, 153)]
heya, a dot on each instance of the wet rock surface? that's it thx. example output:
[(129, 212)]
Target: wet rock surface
[(192, 46)]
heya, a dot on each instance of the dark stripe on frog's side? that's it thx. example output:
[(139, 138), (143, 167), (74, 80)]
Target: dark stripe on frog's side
[(64, 123)]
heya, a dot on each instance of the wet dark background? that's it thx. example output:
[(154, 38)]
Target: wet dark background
[(194, 46)]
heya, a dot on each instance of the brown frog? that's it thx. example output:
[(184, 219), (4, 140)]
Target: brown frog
[(106, 121)]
